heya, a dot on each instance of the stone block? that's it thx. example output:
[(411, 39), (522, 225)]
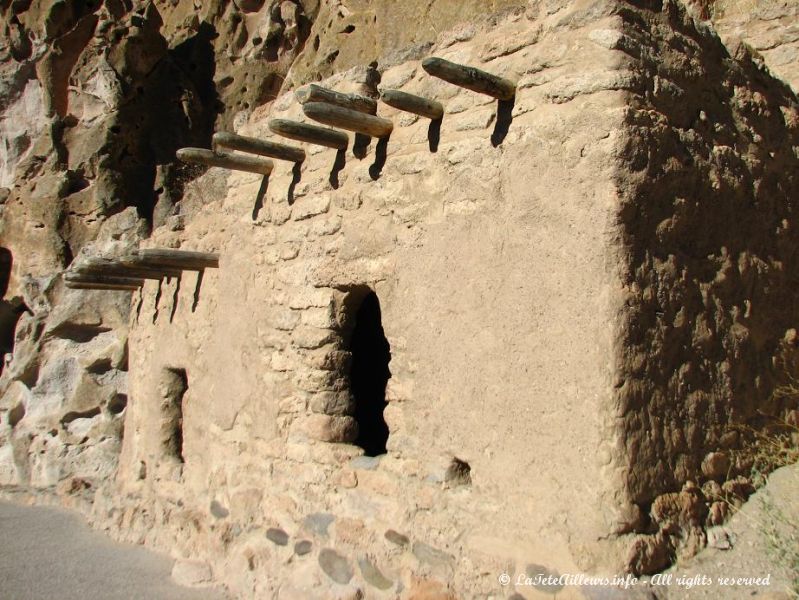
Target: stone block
[(192, 573), (333, 403), (328, 428), (335, 566), (308, 337), (310, 206)]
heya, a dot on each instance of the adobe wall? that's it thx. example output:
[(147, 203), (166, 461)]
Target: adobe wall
[(491, 264)]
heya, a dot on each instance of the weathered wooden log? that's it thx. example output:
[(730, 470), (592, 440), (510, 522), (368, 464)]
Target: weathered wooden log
[(425, 107), (179, 259), (330, 114), (236, 162), (313, 134), (470, 78), (120, 270), (74, 285), (102, 279), (256, 146), (316, 93)]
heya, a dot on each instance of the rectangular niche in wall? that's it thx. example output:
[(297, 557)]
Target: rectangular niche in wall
[(172, 387)]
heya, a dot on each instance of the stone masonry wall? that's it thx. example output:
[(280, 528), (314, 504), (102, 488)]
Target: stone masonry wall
[(473, 250)]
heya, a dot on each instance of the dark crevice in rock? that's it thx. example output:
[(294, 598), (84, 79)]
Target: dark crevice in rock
[(100, 366), (77, 332), (10, 310), (16, 414), (84, 414)]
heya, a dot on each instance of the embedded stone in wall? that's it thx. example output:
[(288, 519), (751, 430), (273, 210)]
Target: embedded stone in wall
[(333, 403), (396, 538), (302, 547), (329, 428), (318, 523), (278, 536), (192, 572), (335, 566), (430, 555), (372, 574)]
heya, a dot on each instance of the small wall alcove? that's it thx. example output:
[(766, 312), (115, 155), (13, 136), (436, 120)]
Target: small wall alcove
[(172, 388)]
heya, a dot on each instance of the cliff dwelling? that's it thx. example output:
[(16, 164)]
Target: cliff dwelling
[(379, 311)]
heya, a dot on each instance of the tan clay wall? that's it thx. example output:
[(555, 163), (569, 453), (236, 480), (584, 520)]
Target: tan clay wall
[(491, 266)]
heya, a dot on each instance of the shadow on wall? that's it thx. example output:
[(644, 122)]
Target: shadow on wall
[(174, 105)]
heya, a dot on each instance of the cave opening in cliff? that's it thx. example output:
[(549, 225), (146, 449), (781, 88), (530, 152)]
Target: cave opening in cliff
[(173, 386), (10, 310), (369, 374)]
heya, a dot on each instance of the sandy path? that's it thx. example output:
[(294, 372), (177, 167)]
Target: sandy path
[(46, 553)]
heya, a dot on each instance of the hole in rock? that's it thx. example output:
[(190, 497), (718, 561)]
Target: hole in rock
[(117, 404), (369, 374), (76, 183), (459, 472)]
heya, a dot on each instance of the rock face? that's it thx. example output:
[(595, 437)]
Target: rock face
[(770, 27), (554, 318)]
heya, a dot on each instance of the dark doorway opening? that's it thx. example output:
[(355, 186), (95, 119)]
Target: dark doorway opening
[(369, 374)]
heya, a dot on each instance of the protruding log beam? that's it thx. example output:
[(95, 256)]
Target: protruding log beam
[(102, 279), (179, 259), (330, 114), (470, 78), (412, 103), (210, 158), (256, 146), (321, 136), (119, 270), (74, 285), (316, 93)]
